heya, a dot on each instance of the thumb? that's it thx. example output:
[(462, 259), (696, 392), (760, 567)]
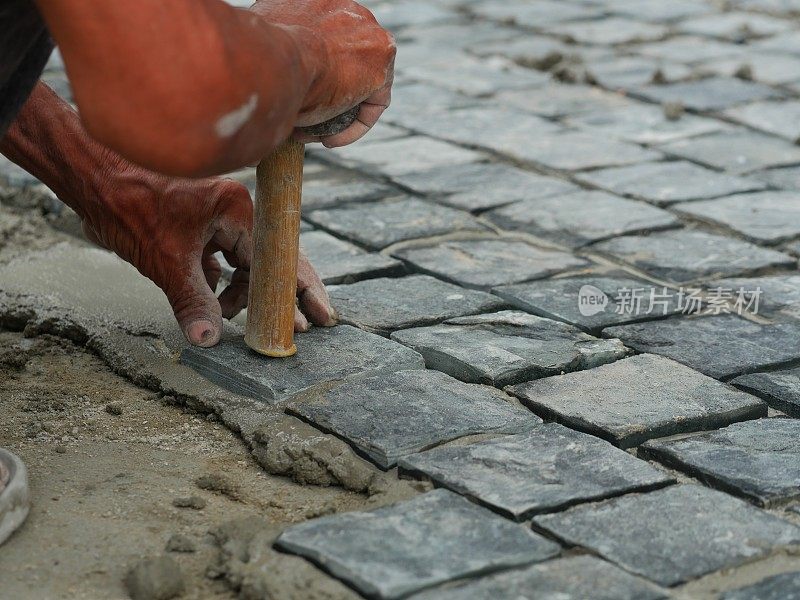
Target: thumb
[(196, 308)]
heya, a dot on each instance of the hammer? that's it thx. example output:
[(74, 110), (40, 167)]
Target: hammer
[(276, 242)]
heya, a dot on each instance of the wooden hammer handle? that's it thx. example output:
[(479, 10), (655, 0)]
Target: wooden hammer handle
[(276, 245)]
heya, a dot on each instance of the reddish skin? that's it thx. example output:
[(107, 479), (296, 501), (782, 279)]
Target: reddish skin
[(168, 228), (196, 62)]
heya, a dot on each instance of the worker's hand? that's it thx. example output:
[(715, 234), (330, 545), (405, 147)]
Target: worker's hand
[(351, 54), (170, 229)]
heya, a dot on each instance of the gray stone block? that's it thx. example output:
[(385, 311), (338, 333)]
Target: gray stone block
[(692, 49), (764, 217), (483, 264), (401, 549), (558, 100), (672, 535), (322, 193), (668, 182), (395, 157), (646, 124), (638, 398), (628, 72), (687, 255), (507, 347), (759, 460), (776, 291), (777, 118), (731, 25), (384, 305), (715, 93), (736, 151), (482, 185), (566, 299), (779, 389), (773, 68), (546, 470), (577, 151), (382, 224), (337, 261), (785, 586), (609, 31), (323, 355), (537, 16), (475, 77), (787, 178), (721, 346), (571, 578), (581, 218), (392, 415)]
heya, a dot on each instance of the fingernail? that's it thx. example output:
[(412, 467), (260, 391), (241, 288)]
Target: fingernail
[(302, 323), (333, 317), (201, 332)]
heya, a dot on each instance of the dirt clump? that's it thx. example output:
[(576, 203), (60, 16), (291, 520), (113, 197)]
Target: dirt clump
[(157, 578)]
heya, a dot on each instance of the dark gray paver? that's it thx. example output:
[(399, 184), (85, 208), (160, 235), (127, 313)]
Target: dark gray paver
[(380, 224), (571, 578), (395, 157), (567, 299), (321, 193), (719, 345), (487, 263), (759, 460), (773, 291), (581, 218), (638, 398), (337, 261), (687, 255), (383, 305), (736, 151), (397, 550), (507, 347), (323, 354), (646, 124), (392, 415), (545, 470), (780, 389), (785, 586), (576, 151), (483, 185), (715, 93), (674, 534), (668, 182), (765, 217), (777, 118)]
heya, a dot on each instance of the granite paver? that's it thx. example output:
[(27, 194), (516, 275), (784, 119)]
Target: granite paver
[(383, 305), (581, 218), (381, 224), (571, 578), (557, 100), (768, 293), (639, 398), (621, 300), (721, 345), (546, 470), (711, 94), (734, 26), (675, 534), (780, 389), (382, 555), (324, 354), (507, 347), (765, 217), (777, 118), (691, 49), (480, 186), (759, 460), (484, 264), (665, 183), (609, 31), (688, 255), (337, 261), (321, 193), (392, 415), (785, 586)]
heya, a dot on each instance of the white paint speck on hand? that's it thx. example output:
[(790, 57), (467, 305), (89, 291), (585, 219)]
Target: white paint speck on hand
[(232, 122)]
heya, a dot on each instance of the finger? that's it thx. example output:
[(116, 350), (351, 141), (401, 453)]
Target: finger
[(234, 297), (314, 300), (211, 269), (196, 308), (301, 324), (368, 114)]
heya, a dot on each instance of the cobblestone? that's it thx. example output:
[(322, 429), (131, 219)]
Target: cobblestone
[(759, 460), (778, 118), (638, 398), (674, 534), (416, 410), (546, 470), (507, 347), (460, 539), (340, 262), (780, 389), (709, 94), (777, 587)]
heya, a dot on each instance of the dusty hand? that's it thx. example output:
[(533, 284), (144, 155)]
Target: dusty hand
[(351, 54), (170, 229)]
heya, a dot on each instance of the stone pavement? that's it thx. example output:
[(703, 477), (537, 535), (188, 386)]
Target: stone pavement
[(576, 211)]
